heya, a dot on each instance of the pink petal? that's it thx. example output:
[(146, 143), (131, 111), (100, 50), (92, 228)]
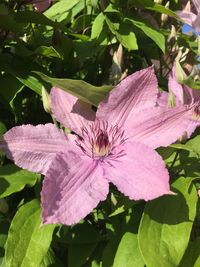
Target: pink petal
[(70, 111), (140, 173), (196, 23), (197, 5), (34, 147), (41, 5), (187, 17), (176, 87), (134, 93), (162, 100), (183, 94), (160, 126), (72, 188)]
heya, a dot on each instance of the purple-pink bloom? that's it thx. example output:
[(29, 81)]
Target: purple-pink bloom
[(115, 145), (185, 96), (189, 17)]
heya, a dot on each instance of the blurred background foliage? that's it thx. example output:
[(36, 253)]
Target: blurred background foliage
[(99, 42)]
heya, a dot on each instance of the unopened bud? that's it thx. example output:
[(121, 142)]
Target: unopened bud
[(116, 71), (171, 102), (158, 1), (180, 73), (183, 138), (164, 17), (46, 100), (173, 34)]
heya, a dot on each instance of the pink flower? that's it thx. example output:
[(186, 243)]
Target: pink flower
[(185, 97), (115, 145), (189, 17), (41, 5)]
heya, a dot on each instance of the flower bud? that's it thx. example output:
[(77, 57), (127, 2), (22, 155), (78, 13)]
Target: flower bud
[(46, 100), (164, 17)]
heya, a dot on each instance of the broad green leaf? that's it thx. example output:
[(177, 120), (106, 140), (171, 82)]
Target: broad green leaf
[(192, 255), (9, 89), (31, 82), (64, 10), (124, 33), (14, 179), (21, 72), (28, 241), (163, 10), (97, 26), (83, 252), (152, 33), (190, 82), (166, 225), (48, 51), (192, 145), (81, 89), (128, 253), (50, 260), (149, 4)]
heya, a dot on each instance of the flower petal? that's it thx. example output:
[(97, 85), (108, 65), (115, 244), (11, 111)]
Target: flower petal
[(197, 5), (34, 147), (161, 126), (135, 92), (183, 93), (69, 110), (187, 17), (140, 173), (162, 100), (72, 188), (196, 23)]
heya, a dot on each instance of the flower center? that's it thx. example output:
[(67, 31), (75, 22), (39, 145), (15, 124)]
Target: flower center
[(100, 140), (101, 145)]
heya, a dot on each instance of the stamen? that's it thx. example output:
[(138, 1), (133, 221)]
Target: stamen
[(100, 140)]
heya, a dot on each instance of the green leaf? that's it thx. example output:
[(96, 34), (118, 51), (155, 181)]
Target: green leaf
[(13, 179), (97, 26), (192, 255), (10, 87), (81, 89), (124, 33), (48, 51), (190, 82), (166, 225), (149, 4), (152, 33), (192, 145), (64, 10), (128, 253), (50, 260), (28, 241)]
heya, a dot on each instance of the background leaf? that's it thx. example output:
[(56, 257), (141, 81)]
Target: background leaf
[(28, 241)]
